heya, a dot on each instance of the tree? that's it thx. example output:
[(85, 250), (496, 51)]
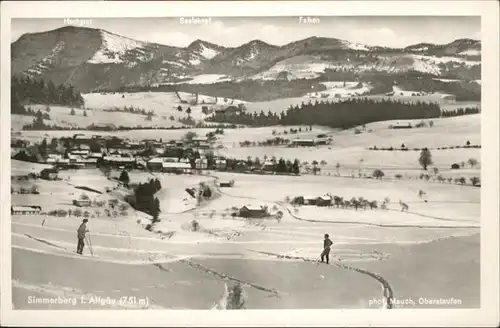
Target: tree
[(472, 162), (236, 298), (468, 143), (378, 174), (179, 108), (124, 177), (475, 181), (295, 167), (85, 113), (188, 137), (188, 111), (461, 180), (431, 123), (462, 164), (256, 162), (435, 170), (72, 112), (425, 158)]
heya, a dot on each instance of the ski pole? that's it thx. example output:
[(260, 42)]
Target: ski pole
[(90, 246)]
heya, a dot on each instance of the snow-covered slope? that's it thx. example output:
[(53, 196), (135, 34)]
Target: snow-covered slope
[(114, 47)]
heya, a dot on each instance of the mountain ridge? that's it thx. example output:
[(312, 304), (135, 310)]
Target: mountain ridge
[(95, 58)]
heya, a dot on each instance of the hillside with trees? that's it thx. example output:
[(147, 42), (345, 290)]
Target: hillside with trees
[(344, 114), (25, 91)]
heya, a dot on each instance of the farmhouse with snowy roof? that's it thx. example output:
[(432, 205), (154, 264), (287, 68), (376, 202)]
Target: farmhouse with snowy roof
[(252, 211), (402, 125), (25, 209)]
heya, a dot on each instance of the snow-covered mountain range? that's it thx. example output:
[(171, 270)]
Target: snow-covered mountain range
[(95, 59)]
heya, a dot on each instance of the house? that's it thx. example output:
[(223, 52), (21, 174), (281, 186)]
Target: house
[(227, 183), (81, 138), (200, 142), (103, 126), (171, 144), (25, 209), (177, 168), (201, 163), (450, 99), (220, 164), (95, 155), (150, 142), (135, 146), (49, 174), (55, 156), (203, 145), (324, 201), (200, 139), (87, 161), (155, 164), (250, 211), (73, 158), (230, 110), (402, 125), (310, 200), (268, 166), (171, 159), (82, 202), (119, 159), (80, 152), (322, 139), (304, 142)]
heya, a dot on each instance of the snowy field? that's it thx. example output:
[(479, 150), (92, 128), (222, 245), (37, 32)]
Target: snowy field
[(260, 253), (362, 239)]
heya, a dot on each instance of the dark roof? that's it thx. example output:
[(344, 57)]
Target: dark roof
[(49, 170)]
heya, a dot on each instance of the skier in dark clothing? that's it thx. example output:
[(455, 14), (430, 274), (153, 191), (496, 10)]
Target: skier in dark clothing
[(326, 249), (82, 230)]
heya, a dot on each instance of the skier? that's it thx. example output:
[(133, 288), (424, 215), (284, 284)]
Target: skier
[(326, 249), (82, 230)]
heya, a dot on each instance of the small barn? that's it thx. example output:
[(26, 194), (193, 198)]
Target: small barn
[(251, 211), (25, 210), (402, 125), (49, 174), (304, 142), (82, 202), (227, 184)]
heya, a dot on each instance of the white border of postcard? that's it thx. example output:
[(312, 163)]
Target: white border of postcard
[(487, 315)]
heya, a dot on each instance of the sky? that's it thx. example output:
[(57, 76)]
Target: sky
[(390, 31)]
